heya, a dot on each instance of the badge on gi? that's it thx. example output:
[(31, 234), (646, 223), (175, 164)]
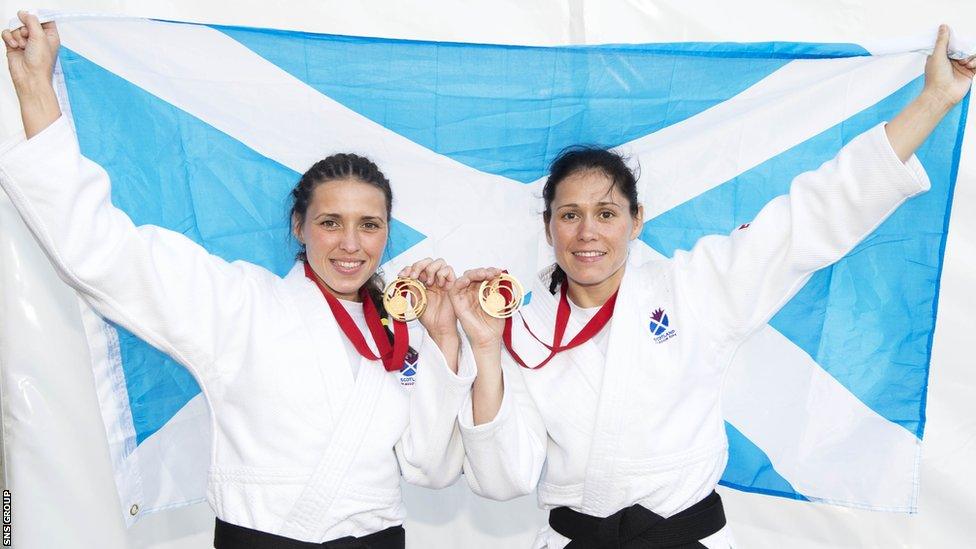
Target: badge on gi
[(660, 326), (409, 370)]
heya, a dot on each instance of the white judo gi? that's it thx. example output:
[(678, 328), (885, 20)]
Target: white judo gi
[(641, 420), (301, 447)]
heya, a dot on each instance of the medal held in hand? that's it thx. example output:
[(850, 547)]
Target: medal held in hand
[(501, 296), (405, 299)]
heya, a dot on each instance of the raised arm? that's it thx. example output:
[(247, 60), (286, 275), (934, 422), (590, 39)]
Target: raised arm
[(157, 283), (504, 436), (31, 53), (737, 282), (430, 451), (504, 456), (946, 82), (484, 336)]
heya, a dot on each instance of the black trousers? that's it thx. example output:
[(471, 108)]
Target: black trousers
[(231, 536), (637, 527)]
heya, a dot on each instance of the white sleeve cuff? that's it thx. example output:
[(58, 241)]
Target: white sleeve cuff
[(437, 364), (17, 151), (910, 176), (470, 431)]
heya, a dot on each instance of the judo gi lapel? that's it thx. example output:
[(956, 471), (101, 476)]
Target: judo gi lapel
[(540, 315), (306, 520), (598, 481), (330, 352), (353, 412)]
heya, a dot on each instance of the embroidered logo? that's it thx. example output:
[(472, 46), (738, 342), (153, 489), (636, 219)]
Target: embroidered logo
[(660, 326), (409, 369), (744, 226)]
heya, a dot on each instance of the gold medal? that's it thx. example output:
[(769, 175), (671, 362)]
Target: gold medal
[(405, 299), (501, 296)]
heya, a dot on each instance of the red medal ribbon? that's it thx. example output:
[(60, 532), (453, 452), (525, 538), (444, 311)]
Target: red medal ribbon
[(591, 328), (392, 356)]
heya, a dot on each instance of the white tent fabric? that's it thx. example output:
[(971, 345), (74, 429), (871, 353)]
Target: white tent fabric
[(56, 462)]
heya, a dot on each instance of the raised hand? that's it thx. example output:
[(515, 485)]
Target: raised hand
[(31, 53), (950, 79), (483, 331), (438, 318), (946, 83), (31, 50)]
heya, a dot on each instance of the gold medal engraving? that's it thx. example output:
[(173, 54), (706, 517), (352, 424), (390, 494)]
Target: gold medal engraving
[(501, 296), (405, 299)]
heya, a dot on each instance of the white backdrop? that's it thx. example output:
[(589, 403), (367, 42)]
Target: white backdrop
[(56, 458)]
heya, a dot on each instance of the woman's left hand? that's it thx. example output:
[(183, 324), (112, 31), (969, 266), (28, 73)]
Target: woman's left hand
[(949, 79), (438, 318)]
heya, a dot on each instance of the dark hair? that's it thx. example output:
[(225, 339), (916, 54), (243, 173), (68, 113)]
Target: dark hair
[(580, 158), (331, 168)]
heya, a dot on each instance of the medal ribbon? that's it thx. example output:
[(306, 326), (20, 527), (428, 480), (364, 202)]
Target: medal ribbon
[(591, 328), (392, 356)]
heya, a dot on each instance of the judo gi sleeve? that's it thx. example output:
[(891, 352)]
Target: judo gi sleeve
[(736, 283), (504, 457), (430, 451), (156, 283)]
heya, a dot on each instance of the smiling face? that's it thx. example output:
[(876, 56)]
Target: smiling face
[(590, 229), (344, 232)]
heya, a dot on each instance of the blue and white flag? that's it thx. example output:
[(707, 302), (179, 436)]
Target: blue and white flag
[(205, 130)]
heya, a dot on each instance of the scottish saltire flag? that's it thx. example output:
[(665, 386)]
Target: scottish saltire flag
[(205, 130)]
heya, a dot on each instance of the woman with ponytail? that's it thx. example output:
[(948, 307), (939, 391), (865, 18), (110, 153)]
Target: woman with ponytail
[(313, 421), (607, 395)]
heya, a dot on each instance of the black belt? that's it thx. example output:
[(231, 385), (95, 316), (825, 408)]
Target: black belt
[(637, 527), (231, 536)]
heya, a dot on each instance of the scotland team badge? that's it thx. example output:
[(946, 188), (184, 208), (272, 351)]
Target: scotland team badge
[(409, 370), (660, 326)]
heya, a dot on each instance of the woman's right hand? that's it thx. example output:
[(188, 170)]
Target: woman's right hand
[(482, 330), (31, 53)]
